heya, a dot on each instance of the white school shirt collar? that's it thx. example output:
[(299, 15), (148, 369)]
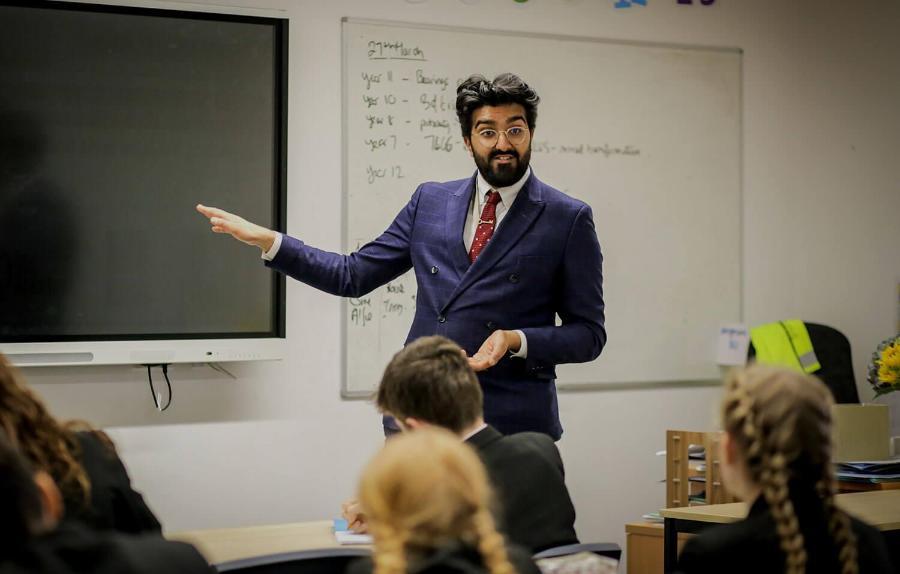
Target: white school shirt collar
[(474, 432)]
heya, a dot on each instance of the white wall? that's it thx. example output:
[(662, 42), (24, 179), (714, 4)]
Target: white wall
[(821, 230)]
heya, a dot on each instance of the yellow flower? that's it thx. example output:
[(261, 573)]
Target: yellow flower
[(884, 368), (891, 356)]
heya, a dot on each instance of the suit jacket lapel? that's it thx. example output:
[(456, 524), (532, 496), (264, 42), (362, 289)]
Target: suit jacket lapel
[(525, 209), (457, 209)]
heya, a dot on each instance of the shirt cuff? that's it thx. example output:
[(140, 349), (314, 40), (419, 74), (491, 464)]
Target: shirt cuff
[(273, 251), (522, 353)]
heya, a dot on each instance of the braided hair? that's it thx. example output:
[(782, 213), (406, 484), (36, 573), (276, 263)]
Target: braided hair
[(780, 421), (424, 491)]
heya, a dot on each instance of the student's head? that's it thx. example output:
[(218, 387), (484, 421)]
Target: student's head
[(777, 441), (430, 381), (498, 119), (427, 490), (41, 439), (30, 501)]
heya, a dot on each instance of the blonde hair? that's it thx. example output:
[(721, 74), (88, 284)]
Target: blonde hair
[(425, 490), (781, 423)]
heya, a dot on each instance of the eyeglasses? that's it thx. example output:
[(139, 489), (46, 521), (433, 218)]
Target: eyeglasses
[(514, 135)]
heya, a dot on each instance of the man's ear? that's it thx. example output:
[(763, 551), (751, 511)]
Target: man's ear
[(468, 141), (51, 500)]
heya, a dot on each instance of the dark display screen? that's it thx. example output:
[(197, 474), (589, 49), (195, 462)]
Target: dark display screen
[(114, 123)]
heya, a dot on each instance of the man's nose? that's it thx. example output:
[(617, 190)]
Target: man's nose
[(503, 142)]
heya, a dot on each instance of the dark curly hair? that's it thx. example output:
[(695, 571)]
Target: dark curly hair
[(19, 498), (507, 88), (47, 444)]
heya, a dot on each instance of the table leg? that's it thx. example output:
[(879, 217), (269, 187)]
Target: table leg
[(670, 544)]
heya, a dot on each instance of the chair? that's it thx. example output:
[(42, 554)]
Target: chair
[(608, 549), (832, 350), (580, 563), (325, 561)]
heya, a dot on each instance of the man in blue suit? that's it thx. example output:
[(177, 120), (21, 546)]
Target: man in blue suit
[(497, 257)]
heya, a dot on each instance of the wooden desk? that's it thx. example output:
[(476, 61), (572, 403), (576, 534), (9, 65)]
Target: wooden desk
[(644, 547), (225, 544), (851, 486), (880, 508)]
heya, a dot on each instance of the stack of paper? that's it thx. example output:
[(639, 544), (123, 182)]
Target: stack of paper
[(653, 517), (345, 536), (869, 470)]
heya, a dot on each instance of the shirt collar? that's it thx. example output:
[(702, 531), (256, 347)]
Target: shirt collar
[(474, 432), (507, 194)]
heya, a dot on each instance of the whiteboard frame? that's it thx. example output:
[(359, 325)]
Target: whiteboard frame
[(562, 387)]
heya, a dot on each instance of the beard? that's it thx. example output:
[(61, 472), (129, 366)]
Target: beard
[(503, 175)]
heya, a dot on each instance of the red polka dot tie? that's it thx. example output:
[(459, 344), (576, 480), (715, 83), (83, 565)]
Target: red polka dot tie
[(485, 225)]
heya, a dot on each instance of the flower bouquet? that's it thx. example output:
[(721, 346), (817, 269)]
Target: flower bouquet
[(884, 368)]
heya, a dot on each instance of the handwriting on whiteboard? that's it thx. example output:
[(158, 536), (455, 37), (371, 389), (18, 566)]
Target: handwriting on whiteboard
[(395, 300)]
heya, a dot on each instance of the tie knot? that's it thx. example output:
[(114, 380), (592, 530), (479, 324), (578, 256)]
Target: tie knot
[(493, 198)]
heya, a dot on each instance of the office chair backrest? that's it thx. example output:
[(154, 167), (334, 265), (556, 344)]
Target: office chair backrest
[(607, 549), (326, 561), (832, 349), (580, 563)]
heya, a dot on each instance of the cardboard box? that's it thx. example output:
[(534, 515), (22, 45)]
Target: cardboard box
[(861, 432)]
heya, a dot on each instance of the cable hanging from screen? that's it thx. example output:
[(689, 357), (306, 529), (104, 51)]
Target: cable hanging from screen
[(157, 398)]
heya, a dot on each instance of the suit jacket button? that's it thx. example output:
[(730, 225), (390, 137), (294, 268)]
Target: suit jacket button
[(442, 319), (434, 270), (514, 278), (491, 325)]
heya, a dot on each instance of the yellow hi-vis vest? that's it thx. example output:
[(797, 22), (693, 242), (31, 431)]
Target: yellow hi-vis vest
[(785, 343)]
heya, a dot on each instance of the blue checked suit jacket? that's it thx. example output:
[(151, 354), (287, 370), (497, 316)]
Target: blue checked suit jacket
[(543, 260)]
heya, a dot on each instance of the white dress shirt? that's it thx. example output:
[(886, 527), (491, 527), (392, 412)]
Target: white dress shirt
[(482, 187)]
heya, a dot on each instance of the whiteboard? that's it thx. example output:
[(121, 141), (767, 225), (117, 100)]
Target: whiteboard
[(649, 135)]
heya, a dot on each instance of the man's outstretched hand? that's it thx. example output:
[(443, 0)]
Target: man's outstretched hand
[(238, 227), (494, 348)]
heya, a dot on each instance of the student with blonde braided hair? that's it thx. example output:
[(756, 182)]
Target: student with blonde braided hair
[(776, 455), (426, 497)]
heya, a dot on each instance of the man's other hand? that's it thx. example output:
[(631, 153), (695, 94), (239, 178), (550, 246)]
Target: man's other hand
[(494, 348)]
